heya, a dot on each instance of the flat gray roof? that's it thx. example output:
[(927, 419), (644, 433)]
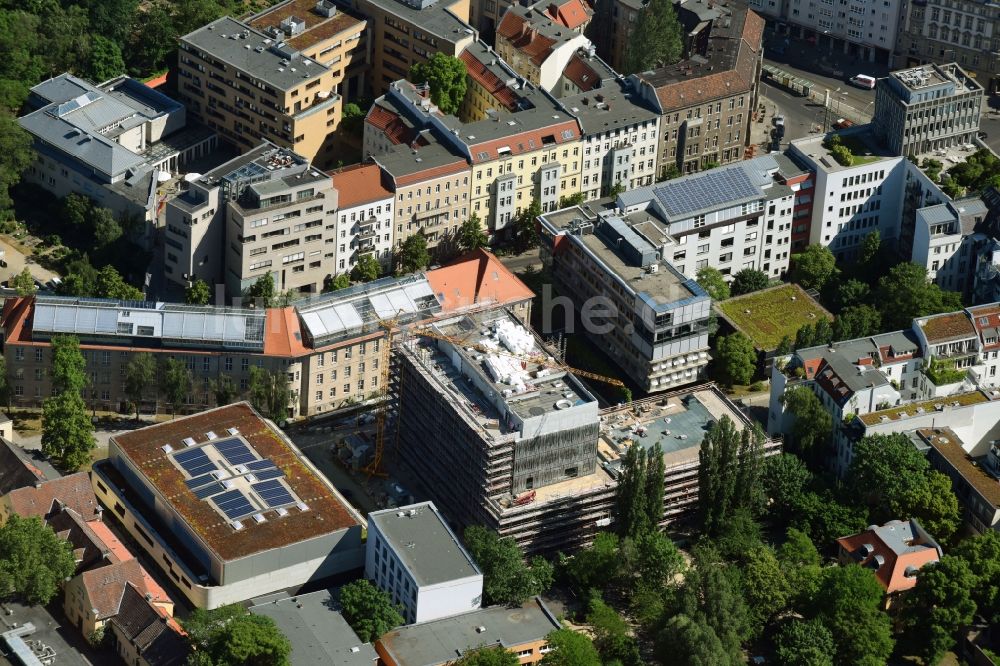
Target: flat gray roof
[(319, 634), (425, 544), (442, 641), (249, 50), (400, 159), (608, 107), (436, 19)]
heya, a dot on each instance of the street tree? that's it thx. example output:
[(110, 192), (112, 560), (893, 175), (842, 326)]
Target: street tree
[(140, 375), (446, 76), (570, 648), (413, 254), (67, 431), (471, 235), (342, 281), (748, 280), (497, 655), (804, 643), (812, 425), (24, 283), (813, 267), (656, 40), (525, 231), (174, 382), (369, 610), (735, 359), (34, 561), (506, 577), (367, 268), (712, 281), (198, 293), (939, 606), (269, 393)]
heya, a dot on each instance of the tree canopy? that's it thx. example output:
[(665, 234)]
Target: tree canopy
[(712, 281), (488, 656), (231, 636), (748, 280), (735, 359), (905, 293), (34, 561), (175, 382), (369, 610), (140, 375), (804, 643), (367, 267), (471, 235), (939, 606), (262, 292), (198, 293), (656, 40), (813, 267), (570, 648), (813, 424), (413, 254), (446, 76), (730, 465), (24, 283), (506, 577), (269, 393)]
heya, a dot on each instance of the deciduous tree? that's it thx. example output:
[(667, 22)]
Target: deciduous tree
[(24, 283), (68, 365), (692, 642), (813, 267), (655, 40), (262, 292), (804, 643), (982, 553), (735, 359), (175, 382), (67, 431), (712, 281), (413, 254), (813, 424), (269, 393), (140, 375), (369, 610), (367, 268), (34, 561), (849, 602), (231, 636), (748, 280), (198, 293), (224, 389), (471, 235), (857, 321), (569, 648), (939, 606), (506, 577), (110, 284), (446, 76), (497, 655), (906, 293)]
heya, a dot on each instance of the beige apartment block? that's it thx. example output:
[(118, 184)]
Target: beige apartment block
[(253, 81)]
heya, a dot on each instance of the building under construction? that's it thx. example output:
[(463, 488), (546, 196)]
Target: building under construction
[(498, 434)]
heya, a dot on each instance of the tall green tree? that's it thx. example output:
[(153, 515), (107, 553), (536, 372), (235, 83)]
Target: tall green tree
[(804, 643), (413, 254), (730, 464), (748, 280), (848, 293), (813, 267), (67, 431), (174, 382), (982, 553), (16, 152), (446, 76), (231, 636), (524, 228), (24, 283), (711, 592), (632, 510), (691, 641), (471, 235), (106, 228), (68, 365), (269, 393), (34, 561), (765, 587), (654, 485), (367, 268), (857, 321), (939, 606), (105, 59), (785, 479), (497, 655), (342, 281), (595, 567), (262, 292), (848, 603), (224, 389), (506, 577), (812, 425), (570, 648), (110, 284), (198, 293), (140, 375), (735, 359), (656, 40), (712, 281), (905, 293), (369, 610), (612, 639)]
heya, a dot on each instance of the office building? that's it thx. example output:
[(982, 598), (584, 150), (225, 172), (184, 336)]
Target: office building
[(265, 211), (113, 143), (405, 32), (415, 557), (927, 108), (656, 330), (536, 46), (257, 80), (521, 630), (707, 101), (364, 217), (227, 506), (948, 31), (853, 200), (317, 631)]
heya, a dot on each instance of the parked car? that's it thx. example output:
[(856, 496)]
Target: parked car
[(842, 123)]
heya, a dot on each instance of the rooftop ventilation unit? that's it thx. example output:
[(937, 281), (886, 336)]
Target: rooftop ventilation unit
[(189, 441), (293, 25), (325, 8), (281, 511), (237, 525), (167, 448), (211, 435), (232, 431)]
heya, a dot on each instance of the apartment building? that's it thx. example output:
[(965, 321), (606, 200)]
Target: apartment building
[(414, 556), (364, 217), (405, 32), (533, 153), (974, 469), (112, 143), (852, 201), (266, 211), (536, 46), (707, 101), (492, 85), (656, 327), (865, 29), (253, 80), (330, 347), (620, 137), (948, 238), (431, 183), (227, 507), (947, 31), (927, 108)]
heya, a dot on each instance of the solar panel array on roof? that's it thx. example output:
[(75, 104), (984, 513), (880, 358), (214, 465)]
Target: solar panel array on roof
[(199, 481), (207, 491), (195, 462), (272, 473), (705, 191), (259, 465), (273, 493), (235, 451), (234, 504)]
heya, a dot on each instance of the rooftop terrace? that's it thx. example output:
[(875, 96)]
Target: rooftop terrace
[(903, 412), (949, 446)]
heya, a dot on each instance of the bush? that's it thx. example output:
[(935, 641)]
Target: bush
[(842, 154)]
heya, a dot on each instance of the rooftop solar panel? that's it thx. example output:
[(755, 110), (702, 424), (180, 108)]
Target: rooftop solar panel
[(257, 465), (195, 462), (273, 493), (234, 504), (207, 491), (266, 474), (200, 481), (705, 190), (235, 451)]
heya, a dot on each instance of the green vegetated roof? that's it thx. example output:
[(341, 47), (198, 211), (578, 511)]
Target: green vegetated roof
[(767, 316)]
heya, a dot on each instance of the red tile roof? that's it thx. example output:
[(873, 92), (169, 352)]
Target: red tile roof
[(73, 491), (282, 336), (986, 319), (477, 277), (891, 573), (106, 585), (518, 31), (581, 74), (89, 549), (481, 74), (358, 185), (110, 541), (458, 166), (570, 13), (390, 124), (526, 142)]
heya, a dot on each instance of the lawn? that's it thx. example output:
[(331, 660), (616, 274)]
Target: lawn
[(767, 316)]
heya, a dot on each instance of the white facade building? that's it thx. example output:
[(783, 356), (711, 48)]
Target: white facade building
[(364, 217), (414, 556), (946, 242)]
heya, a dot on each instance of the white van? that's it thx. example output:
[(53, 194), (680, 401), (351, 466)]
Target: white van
[(863, 81)]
